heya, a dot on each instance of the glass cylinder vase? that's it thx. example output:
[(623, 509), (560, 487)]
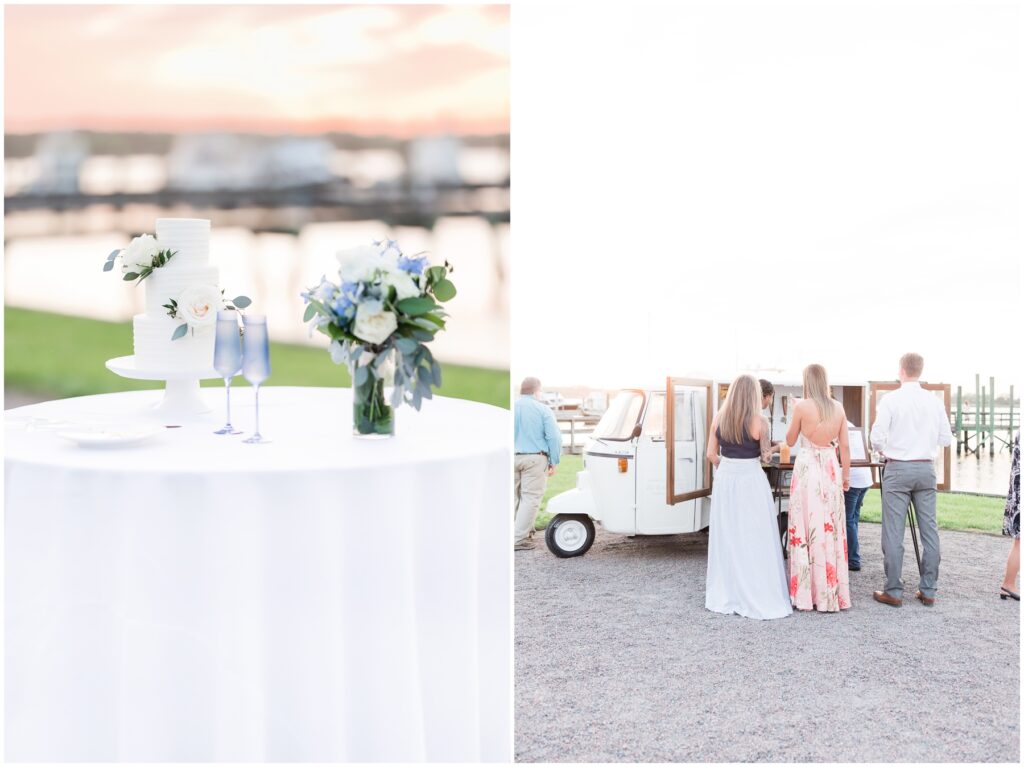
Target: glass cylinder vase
[(372, 416)]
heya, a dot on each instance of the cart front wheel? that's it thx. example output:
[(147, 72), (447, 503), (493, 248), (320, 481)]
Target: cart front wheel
[(569, 535)]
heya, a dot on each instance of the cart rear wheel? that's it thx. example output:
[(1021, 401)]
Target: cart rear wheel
[(569, 535)]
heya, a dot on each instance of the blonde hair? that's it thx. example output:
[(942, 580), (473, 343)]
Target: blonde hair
[(742, 404), (816, 388), (912, 364)]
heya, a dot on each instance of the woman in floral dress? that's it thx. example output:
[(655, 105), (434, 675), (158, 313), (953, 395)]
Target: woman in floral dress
[(818, 573), (1011, 526)]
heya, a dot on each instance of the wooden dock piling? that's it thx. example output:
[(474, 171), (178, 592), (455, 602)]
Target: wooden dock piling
[(992, 416)]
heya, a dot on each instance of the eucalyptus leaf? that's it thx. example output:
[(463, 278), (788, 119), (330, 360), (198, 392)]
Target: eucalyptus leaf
[(414, 306), (361, 375), (421, 322), (131, 276), (437, 273), (241, 301), (422, 335), (444, 290), (113, 255), (310, 313), (431, 318), (108, 266), (180, 331), (406, 345)]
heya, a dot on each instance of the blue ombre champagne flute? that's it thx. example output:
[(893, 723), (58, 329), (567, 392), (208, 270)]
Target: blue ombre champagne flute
[(255, 362), (227, 358)]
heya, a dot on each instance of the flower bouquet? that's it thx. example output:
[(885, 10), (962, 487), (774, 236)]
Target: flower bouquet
[(380, 315)]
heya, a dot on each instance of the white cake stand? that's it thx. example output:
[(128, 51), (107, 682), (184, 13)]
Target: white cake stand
[(182, 399)]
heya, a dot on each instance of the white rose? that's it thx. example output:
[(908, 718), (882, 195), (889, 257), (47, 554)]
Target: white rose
[(363, 262), (198, 305), (403, 283), (372, 324), (359, 264), (139, 254)]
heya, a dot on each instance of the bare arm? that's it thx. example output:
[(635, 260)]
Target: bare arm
[(793, 432), (766, 442), (844, 449), (713, 456)]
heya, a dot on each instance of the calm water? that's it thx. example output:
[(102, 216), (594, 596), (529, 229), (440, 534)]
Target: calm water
[(982, 475), (64, 273)]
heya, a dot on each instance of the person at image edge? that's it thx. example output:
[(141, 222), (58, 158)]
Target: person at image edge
[(538, 444)]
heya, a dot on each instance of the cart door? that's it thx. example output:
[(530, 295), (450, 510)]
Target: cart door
[(688, 409), (878, 389)]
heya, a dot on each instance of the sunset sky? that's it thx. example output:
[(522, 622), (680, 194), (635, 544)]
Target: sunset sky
[(391, 69)]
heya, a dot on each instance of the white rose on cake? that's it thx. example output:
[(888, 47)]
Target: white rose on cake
[(139, 254), (373, 324), (198, 306)]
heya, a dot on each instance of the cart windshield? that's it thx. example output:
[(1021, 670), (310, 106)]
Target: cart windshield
[(620, 417)]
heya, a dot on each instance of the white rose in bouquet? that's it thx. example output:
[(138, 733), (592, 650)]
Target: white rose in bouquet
[(198, 306), (359, 264), (373, 324), (403, 283), (139, 254)]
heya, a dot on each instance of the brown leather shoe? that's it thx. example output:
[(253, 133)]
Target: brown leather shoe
[(885, 599), (926, 601)]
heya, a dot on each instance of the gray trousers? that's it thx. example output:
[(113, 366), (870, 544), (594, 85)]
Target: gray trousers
[(905, 481)]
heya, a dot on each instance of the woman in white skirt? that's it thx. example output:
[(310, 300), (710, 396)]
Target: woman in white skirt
[(746, 574)]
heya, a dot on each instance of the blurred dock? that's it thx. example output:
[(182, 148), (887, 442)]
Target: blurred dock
[(269, 209)]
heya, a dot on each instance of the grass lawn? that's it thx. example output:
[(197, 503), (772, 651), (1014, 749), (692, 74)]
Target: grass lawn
[(61, 356), (956, 511)]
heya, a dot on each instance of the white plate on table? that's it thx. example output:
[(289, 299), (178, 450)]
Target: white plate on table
[(109, 436)]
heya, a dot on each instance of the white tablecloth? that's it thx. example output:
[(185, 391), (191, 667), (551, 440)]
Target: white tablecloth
[(317, 598)]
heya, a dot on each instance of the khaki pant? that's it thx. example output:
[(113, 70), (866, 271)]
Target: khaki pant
[(531, 479)]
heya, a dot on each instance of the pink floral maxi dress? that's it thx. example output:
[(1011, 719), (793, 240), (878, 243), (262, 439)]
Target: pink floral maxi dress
[(818, 574)]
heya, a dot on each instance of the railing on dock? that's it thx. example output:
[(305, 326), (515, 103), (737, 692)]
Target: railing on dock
[(986, 425)]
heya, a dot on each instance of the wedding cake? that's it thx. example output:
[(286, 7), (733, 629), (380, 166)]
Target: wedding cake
[(189, 268), (176, 331)]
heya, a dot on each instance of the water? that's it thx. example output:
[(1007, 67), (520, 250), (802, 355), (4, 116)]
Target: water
[(981, 475), (63, 273)]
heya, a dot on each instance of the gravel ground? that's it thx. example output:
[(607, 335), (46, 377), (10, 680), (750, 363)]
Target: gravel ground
[(617, 660)]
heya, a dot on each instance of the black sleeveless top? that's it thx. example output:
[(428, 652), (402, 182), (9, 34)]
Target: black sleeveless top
[(748, 448)]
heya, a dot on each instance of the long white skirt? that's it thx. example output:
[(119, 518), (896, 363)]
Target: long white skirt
[(746, 574)]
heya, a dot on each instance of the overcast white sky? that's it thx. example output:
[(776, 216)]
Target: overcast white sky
[(850, 168)]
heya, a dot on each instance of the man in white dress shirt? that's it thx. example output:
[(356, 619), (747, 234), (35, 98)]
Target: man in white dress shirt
[(910, 427)]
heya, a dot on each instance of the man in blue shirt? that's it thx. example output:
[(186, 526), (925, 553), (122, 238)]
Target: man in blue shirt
[(538, 447)]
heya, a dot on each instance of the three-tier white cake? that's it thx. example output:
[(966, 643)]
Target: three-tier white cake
[(189, 238)]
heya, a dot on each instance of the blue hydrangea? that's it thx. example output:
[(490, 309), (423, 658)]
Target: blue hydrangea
[(344, 302), (413, 264)]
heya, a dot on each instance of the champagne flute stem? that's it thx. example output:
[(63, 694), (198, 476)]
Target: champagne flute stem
[(227, 386), (257, 435)]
